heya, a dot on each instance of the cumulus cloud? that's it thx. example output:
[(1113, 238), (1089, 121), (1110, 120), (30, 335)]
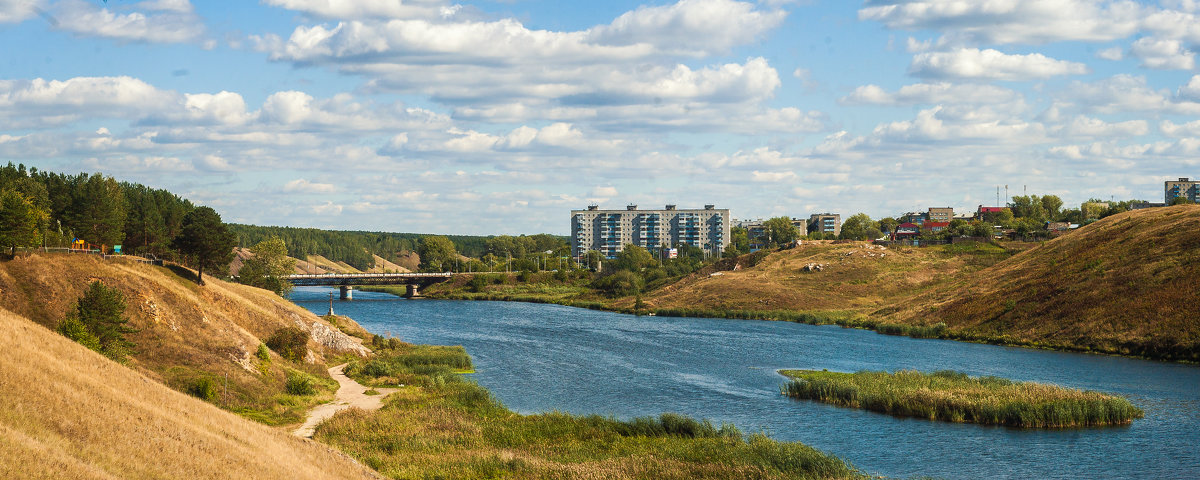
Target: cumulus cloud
[(931, 94), (1160, 53), (1124, 94), (13, 11), (364, 9), (693, 27), (301, 185), (1114, 54), (1191, 91), (973, 63), (1011, 21), (171, 21)]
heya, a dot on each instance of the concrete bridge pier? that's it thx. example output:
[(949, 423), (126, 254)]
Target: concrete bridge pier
[(414, 290), (347, 292)]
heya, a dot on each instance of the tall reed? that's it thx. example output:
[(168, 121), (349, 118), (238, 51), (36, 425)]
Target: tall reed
[(956, 397)]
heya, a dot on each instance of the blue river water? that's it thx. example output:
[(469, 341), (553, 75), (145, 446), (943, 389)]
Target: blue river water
[(538, 358)]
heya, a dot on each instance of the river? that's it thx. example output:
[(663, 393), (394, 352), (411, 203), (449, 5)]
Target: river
[(538, 358)]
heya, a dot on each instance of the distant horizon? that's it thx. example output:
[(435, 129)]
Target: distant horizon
[(490, 117)]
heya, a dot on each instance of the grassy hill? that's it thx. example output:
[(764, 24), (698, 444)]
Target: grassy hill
[(68, 412), (1126, 284), (187, 335)]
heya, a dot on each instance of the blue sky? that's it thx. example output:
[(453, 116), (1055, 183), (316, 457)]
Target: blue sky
[(499, 117)]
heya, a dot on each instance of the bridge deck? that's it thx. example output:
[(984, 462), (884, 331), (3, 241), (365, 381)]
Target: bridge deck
[(339, 279)]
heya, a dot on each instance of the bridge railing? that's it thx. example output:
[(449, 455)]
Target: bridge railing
[(318, 276)]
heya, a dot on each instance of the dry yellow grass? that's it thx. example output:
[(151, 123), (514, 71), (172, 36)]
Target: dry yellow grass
[(853, 277), (68, 412), (184, 330)]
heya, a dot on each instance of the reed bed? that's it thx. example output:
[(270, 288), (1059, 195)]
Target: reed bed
[(442, 425), (956, 397)]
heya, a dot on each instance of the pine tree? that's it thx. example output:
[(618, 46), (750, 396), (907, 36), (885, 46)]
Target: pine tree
[(19, 221), (206, 239), (98, 322)]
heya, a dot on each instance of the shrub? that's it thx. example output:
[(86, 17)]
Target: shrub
[(203, 388), (263, 353), (622, 283), (300, 384), (477, 283), (290, 343), (75, 330)]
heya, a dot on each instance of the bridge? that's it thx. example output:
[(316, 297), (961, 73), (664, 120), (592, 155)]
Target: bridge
[(346, 281)]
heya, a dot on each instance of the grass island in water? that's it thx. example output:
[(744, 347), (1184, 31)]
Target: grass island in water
[(955, 397)]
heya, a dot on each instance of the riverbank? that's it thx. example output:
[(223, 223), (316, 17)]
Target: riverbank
[(443, 425), (955, 397)]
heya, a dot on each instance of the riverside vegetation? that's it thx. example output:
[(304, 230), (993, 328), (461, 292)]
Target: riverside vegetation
[(956, 397), (440, 425)]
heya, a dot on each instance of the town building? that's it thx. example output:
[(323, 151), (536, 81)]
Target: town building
[(941, 214), (825, 223), (1189, 189), (906, 231), (608, 231)]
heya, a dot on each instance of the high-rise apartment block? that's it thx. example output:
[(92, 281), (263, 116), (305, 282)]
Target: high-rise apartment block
[(1189, 189), (608, 231), (825, 223)]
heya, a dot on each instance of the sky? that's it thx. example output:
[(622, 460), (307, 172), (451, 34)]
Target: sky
[(499, 117)]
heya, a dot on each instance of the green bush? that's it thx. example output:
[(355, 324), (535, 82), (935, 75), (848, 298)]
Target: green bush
[(477, 284), (203, 388), (290, 343), (263, 353), (300, 384), (619, 284)]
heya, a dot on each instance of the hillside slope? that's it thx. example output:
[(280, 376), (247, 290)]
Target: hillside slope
[(1126, 284), (853, 277), (186, 332), (68, 412)]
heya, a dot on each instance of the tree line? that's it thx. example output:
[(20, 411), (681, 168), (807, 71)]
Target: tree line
[(49, 209)]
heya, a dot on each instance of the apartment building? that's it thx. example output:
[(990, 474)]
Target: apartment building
[(608, 231), (940, 215), (825, 223), (1184, 187)]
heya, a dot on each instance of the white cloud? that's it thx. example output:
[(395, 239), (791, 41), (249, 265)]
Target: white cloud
[(364, 9), (1160, 53), (1191, 91), (991, 64), (1123, 94), (1171, 129), (174, 22), (1011, 21), (940, 124), (301, 185), (604, 192), (1083, 126), (931, 94), (1114, 54), (697, 27), (14, 11)]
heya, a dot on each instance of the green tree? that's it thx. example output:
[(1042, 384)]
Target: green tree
[(780, 231), (437, 253), (1181, 200), (19, 221), (739, 242), (593, 259), (97, 210), (888, 224), (206, 240), (268, 266), (1052, 205), (622, 283), (634, 258), (98, 321), (857, 226)]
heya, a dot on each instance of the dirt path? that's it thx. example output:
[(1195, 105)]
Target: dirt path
[(349, 394)]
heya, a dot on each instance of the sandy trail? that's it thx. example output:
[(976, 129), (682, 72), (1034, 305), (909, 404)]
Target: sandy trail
[(350, 394)]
